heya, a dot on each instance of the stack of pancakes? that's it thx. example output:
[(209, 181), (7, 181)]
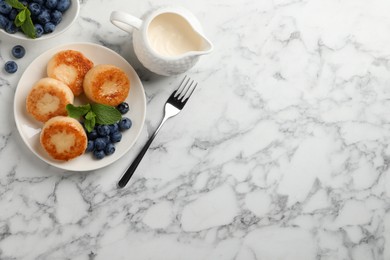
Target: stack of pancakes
[(70, 74)]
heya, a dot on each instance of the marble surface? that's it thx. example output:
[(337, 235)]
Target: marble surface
[(282, 153)]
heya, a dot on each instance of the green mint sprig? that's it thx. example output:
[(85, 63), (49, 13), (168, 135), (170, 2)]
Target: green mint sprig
[(94, 114), (23, 18)]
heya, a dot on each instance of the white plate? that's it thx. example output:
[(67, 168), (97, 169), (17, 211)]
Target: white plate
[(30, 129)]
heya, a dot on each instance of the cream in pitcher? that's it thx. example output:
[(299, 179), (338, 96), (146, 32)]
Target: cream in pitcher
[(167, 41)]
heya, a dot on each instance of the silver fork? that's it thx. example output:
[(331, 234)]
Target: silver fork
[(173, 106)]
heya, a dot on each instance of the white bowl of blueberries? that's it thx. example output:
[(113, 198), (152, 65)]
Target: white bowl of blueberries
[(37, 19)]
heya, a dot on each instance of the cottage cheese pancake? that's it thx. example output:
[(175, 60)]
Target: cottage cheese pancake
[(48, 98), (63, 138), (70, 67), (106, 84)]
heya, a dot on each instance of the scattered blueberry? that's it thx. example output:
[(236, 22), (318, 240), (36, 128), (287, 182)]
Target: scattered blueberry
[(123, 108), (125, 123), (5, 8), (3, 21), (63, 5), (103, 130), (116, 137), (99, 154), (11, 67), (109, 149), (18, 51), (90, 146), (100, 144)]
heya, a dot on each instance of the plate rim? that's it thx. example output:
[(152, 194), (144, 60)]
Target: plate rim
[(60, 164)]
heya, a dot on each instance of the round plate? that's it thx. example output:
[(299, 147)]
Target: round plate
[(30, 129)]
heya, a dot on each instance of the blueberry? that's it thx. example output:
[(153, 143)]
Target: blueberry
[(40, 2), (49, 27), (99, 154), (43, 17), (11, 67), (38, 30), (123, 108), (56, 17), (11, 27), (3, 21), (110, 149), (100, 143), (35, 8), (116, 137), (5, 8), (125, 123), (12, 15), (51, 4), (92, 135), (103, 130), (90, 146), (113, 128), (18, 51), (63, 5)]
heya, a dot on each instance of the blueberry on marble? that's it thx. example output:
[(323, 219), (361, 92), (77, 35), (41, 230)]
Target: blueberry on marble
[(49, 27), (123, 108), (38, 30), (109, 149), (18, 51), (11, 67), (125, 123), (99, 154), (63, 5), (3, 21), (5, 8)]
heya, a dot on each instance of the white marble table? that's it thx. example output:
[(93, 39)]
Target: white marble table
[(282, 153)]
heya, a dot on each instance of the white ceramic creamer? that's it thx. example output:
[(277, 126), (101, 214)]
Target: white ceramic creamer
[(167, 40)]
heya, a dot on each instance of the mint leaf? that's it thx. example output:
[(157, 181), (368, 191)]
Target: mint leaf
[(106, 115), (90, 121), (15, 4), (79, 111), (20, 18), (28, 26)]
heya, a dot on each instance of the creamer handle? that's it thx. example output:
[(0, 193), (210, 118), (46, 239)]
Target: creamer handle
[(125, 21)]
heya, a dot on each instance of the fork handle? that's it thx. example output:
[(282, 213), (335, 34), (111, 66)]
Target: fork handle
[(130, 171)]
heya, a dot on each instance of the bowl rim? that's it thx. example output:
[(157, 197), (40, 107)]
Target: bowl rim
[(20, 36)]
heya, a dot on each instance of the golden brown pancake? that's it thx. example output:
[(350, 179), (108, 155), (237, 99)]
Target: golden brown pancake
[(106, 84), (70, 67), (48, 98), (63, 138)]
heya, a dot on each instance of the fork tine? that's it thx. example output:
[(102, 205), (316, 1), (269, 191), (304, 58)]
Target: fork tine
[(185, 90), (183, 83), (189, 91)]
